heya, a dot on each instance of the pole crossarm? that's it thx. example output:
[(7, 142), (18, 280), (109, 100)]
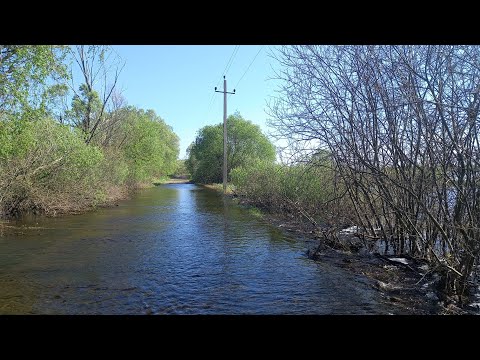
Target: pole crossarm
[(227, 92)]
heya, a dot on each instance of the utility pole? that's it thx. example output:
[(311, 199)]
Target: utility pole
[(225, 92)]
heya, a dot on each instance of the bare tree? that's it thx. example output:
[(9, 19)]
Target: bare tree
[(96, 63), (108, 131), (401, 123)]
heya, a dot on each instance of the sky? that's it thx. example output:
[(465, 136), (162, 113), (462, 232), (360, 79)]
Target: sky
[(178, 83)]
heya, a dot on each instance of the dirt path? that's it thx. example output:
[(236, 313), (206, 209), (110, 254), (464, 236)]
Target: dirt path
[(177, 181)]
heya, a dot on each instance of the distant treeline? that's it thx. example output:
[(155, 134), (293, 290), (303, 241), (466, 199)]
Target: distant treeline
[(66, 147), (245, 144)]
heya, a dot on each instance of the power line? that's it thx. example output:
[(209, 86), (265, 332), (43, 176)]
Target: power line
[(233, 58), (258, 52), (225, 70), (229, 63)]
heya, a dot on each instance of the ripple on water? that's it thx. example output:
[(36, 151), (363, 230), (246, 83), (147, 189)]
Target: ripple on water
[(174, 249)]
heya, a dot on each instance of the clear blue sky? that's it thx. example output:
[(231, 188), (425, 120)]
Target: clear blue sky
[(178, 83)]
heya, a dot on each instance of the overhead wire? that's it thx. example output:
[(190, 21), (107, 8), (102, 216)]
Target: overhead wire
[(258, 52), (230, 62), (225, 70)]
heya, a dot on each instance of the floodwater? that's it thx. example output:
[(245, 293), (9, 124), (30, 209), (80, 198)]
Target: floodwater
[(172, 249)]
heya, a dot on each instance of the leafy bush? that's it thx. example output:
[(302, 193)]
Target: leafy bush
[(282, 188), (47, 166), (150, 147)]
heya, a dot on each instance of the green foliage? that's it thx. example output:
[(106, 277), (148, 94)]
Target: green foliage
[(47, 166), (114, 169), (14, 138), (150, 146), (245, 144), (205, 155), (51, 167), (25, 71), (282, 188), (86, 106), (181, 170)]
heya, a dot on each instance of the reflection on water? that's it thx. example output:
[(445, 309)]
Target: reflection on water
[(173, 249)]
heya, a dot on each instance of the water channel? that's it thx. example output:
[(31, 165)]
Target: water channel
[(172, 249)]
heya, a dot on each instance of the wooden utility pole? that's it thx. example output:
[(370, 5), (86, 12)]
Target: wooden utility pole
[(225, 92)]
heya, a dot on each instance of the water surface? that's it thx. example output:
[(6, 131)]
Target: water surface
[(172, 249)]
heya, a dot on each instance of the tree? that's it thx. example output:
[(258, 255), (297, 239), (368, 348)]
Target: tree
[(90, 102), (402, 127), (25, 71), (112, 122), (245, 143), (148, 144), (86, 105), (181, 171), (54, 159)]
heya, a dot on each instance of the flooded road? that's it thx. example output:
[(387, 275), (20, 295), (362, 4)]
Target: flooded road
[(172, 249)]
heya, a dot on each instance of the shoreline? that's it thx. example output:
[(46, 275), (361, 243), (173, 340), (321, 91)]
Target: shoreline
[(408, 284), (114, 195), (173, 181)]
